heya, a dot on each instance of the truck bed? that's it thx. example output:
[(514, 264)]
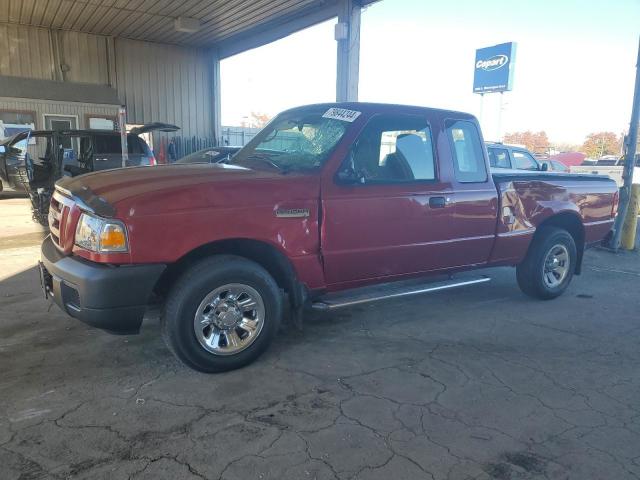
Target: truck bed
[(612, 171)]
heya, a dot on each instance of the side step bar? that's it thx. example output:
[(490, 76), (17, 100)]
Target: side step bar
[(389, 290)]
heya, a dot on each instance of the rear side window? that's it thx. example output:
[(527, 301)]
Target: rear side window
[(107, 144), (112, 144), (524, 161), (468, 161), (498, 157)]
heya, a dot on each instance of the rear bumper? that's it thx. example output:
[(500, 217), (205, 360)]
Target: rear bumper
[(112, 298)]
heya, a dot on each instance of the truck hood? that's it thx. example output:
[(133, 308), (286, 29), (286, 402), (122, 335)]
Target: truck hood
[(171, 188)]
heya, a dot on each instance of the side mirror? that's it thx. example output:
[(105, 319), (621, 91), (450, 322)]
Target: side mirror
[(544, 167), (3, 149), (348, 176)]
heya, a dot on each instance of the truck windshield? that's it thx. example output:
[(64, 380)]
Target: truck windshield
[(299, 140)]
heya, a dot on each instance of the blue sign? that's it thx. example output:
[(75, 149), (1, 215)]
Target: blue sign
[(494, 68)]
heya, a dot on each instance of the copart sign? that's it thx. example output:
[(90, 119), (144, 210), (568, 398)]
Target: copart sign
[(494, 68)]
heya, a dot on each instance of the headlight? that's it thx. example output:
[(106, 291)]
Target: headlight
[(101, 235)]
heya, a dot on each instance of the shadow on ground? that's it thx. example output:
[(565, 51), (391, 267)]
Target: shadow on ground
[(480, 382)]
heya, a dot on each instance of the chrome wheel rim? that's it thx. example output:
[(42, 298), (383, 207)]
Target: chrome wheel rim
[(229, 319), (556, 266)]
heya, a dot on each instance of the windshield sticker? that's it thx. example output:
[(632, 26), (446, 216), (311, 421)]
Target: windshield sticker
[(341, 114)]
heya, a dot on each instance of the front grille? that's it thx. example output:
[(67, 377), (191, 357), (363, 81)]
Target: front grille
[(58, 216), (55, 215)]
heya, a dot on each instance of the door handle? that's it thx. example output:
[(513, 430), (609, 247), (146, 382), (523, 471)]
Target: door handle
[(438, 202)]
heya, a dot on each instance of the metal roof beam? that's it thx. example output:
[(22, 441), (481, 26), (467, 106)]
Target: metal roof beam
[(348, 38)]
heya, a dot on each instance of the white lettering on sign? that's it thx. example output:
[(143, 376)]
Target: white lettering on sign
[(341, 114), (492, 63)]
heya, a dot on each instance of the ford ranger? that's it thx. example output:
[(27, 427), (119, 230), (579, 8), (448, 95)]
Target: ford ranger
[(329, 205)]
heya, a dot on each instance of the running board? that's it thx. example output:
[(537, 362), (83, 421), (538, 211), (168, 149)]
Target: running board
[(389, 290)]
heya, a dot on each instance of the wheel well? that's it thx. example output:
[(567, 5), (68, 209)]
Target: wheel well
[(262, 253), (572, 223)]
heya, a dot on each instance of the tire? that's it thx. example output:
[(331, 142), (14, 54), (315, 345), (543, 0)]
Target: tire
[(537, 275), (218, 289)]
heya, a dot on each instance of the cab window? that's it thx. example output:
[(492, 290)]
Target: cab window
[(395, 148), (468, 161)]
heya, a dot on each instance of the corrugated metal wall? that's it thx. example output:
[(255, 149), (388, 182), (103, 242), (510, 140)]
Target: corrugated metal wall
[(86, 56), (165, 83), (31, 52), (156, 82), (26, 52)]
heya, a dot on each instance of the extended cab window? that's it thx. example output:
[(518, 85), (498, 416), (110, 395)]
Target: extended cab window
[(498, 157), (524, 161), (468, 161), (394, 148)]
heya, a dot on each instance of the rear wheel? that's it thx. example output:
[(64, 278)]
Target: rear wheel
[(548, 268), (222, 314)]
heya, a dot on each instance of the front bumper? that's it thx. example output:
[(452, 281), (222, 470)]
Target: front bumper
[(113, 298)]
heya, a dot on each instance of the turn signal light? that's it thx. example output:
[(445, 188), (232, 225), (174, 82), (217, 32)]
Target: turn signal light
[(113, 238)]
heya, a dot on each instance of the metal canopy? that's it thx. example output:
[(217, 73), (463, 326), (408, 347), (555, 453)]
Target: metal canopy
[(222, 22)]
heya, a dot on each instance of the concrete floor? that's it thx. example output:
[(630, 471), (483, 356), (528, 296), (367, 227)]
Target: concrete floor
[(481, 382)]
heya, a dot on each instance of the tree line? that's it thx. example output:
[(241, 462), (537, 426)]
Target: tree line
[(595, 145)]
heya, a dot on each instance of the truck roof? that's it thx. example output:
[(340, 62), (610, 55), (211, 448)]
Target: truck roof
[(372, 107)]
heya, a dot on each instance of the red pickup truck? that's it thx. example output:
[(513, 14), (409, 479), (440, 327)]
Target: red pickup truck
[(329, 205)]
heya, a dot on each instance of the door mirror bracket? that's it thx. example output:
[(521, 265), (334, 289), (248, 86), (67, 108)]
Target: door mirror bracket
[(348, 176)]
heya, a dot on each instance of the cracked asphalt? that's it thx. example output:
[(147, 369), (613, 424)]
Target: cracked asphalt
[(481, 382)]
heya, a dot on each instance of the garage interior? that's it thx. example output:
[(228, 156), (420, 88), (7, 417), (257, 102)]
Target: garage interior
[(82, 59), (480, 382)]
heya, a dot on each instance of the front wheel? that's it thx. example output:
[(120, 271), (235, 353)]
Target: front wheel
[(222, 314), (548, 268)]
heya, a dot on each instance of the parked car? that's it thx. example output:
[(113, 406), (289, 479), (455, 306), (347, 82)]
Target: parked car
[(553, 166), (612, 168), (32, 161), (210, 155), (569, 159), (334, 205), (509, 157)]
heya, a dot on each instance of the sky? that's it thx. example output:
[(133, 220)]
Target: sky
[(574, 69)]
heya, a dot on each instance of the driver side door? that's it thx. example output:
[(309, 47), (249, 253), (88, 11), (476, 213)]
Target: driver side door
[(396, 218)]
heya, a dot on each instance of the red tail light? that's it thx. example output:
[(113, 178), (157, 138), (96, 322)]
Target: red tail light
[(616, 202)]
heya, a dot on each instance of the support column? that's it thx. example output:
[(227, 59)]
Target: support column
[(216, 111), (347, 34)]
